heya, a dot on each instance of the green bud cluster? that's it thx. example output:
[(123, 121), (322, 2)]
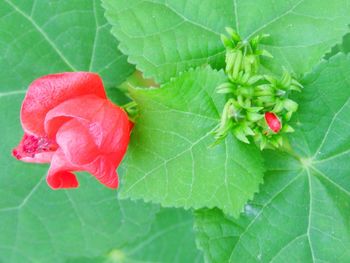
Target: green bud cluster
[(250, 94)]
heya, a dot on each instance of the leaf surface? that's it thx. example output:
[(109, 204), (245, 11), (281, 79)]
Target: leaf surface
[(302, 211), (86, 221), (38, 224), (170, 240), (170, 158), (164, 38), (42, 37)]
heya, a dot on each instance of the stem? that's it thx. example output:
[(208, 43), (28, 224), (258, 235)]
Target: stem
[(129, 105)]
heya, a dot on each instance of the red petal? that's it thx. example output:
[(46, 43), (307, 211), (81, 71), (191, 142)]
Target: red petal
[(47, 92), (131, 125), (76, 143), (60, 175), (273, 122), (93, 135), (62, 179), (108, 124), (104, 169)]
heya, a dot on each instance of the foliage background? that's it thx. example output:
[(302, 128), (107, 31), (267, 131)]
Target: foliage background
[(88, 224), (301, 213)]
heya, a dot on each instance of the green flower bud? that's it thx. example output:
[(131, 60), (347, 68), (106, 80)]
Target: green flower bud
[(237, 64), (245, 76), (266, 99), (225, 88), (246, 91), (255, 109), (264, 90), (257, 103), (230, 59), (271, 79), (253, 79)]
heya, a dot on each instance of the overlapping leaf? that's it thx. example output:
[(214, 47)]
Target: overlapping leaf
[(36, 223), (171, 240), (88, 221), (41, 37), (343, 47), (302, 212), (164, 37), (170, 160)]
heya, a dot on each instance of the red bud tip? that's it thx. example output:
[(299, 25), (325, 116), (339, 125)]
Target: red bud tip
[(273, 122)]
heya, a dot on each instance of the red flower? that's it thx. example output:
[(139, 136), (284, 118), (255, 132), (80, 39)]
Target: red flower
[(273, 122), (68, 122)]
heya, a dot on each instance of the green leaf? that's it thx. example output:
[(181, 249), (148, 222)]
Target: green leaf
[(87, 221), (302, 211), (164, 38), (88, 224), (171, 239), (344, 47), (170, 158), (38, 224), (45, 36)]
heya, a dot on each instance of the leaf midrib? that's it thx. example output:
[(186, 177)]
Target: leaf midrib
[(295, 178), (275, 19)]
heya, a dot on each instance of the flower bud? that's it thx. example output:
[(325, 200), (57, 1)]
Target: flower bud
[(273, 122)]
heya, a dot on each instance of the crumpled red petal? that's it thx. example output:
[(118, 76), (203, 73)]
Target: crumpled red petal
[(60, 175), (69, 122), (93, 135), (107, 123), (49, 91)]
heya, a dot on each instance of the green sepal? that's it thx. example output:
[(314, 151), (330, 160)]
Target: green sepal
[(233, 34), (240, 134), (290, 105), (226, 41), (279, 106), (286, 79), (287, 128), (266, 53), (253, 117)]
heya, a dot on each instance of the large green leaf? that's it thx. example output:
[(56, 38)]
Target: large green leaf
[(45, 36), (343, 47), (38, 224), (302, 211), (171, 240), (170, 160), (164, 37)]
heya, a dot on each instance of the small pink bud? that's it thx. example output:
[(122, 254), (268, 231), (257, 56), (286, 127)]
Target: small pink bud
[(273, 122)]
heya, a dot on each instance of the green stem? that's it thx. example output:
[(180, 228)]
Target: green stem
[(129, 105)]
